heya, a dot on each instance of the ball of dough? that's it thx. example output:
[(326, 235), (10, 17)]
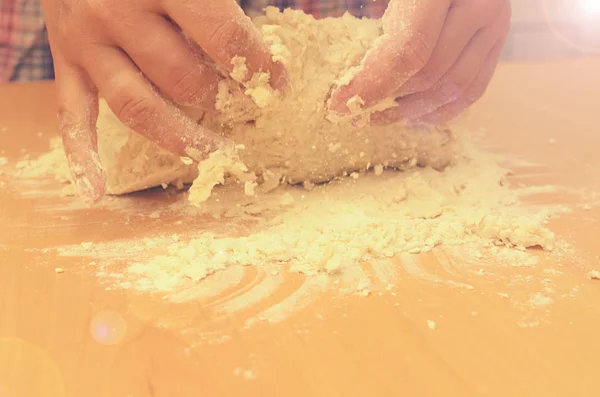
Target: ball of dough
[(291, 138)]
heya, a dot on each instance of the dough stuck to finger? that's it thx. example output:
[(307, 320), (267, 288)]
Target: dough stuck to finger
[(290, 138)]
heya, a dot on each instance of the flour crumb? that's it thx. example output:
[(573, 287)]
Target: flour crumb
[(594, 275), (432, 325), (154, 215), (59, 270), (250, 188), (248, 374), (378, 169), (186, 160), (308, 185), (240, 70), (363, 287), (540, 300), (87, 245), (3, 161), (212, 172), (334, 147)]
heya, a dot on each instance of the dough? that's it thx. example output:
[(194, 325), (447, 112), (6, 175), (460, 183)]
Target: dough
[(291, 139), (134, 163)]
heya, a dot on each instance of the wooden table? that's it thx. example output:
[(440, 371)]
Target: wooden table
[(66, 334)]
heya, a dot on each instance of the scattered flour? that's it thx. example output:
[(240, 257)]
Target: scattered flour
[(248, 374), (448, 194), (51, 164), (334, 227), (540, 300)]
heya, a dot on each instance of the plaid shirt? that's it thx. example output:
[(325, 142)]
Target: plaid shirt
[(25, 52), (24, 48)]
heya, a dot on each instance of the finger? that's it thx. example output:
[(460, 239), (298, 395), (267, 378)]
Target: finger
[(224, 32), (462, 23), (452, 85), (475, 91), (134, 101), (168, 60), (77, 114), (403, 50)]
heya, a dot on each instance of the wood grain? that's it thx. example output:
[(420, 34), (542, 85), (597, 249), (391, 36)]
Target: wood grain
[(67, 335)]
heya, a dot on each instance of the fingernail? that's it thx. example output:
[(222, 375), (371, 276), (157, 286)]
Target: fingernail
[(336, 104)]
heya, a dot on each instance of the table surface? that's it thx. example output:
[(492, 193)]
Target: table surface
[(67, 334)]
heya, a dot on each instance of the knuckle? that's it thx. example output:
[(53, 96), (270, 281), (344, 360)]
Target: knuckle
[(67, 119), (474, 93), (454, 86), (130, 109), (98, 10), (77, 20), (418, 49), (64, 29), (188, 87), (230, 32), (427, 78)]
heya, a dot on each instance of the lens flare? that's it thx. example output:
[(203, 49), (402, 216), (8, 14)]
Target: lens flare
[(108, 328), (591, 7), (588, 13)]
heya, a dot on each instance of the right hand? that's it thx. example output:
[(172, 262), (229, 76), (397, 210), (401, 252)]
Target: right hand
[(134, 55)]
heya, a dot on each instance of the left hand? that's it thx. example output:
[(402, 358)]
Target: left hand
[(436, 58)]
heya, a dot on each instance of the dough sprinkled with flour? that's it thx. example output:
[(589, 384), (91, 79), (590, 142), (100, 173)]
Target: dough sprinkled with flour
[(290, 135)]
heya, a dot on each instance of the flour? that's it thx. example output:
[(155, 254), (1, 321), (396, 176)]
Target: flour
[(212, 172), (336, 226), (51, 164)]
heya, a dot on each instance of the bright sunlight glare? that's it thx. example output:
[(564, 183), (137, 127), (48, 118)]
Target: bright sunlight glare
[(590, 7)]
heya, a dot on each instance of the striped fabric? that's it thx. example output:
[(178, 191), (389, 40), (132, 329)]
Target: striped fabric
[(25, 53)]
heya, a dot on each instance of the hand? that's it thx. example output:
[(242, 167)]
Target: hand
[(134, 54), (436, 58)]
